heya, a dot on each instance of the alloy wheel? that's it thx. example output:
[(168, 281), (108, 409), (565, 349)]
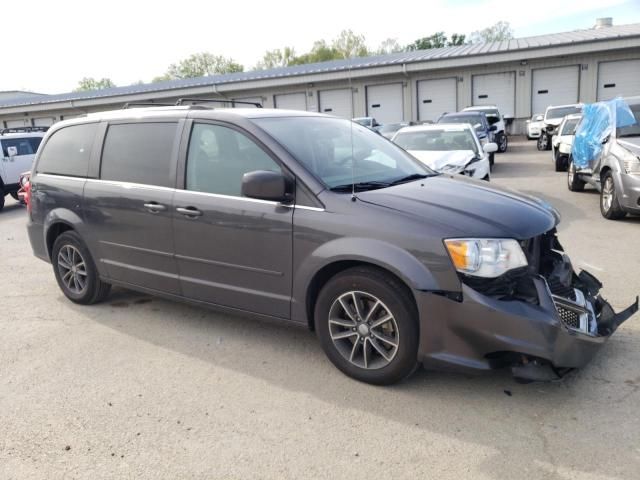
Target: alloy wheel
[(607, 194), (72, 268), (363, 330)]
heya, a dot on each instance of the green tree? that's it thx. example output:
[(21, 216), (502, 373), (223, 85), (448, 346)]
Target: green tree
[(349, 45), (277, 58), (90, 83), (390, 45), (200, 65), (320, 52), (495, 33), (437, 40), (456, 39)]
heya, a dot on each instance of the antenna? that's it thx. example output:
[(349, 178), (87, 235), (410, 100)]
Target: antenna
[(353, 160)]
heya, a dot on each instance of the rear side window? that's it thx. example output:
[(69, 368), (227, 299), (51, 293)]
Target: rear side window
[(68, 150), (139, 153), (25, 146)]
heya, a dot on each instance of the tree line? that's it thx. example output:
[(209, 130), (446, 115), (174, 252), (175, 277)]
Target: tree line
[(347, 45)]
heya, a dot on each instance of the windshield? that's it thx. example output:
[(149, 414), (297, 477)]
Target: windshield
[(633, 130), (24, 146), (437, 140), (391, 127), (536, 118), (569, 126), (562, 112), (340, 152)]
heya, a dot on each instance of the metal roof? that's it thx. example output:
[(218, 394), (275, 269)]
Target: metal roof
[(473, 49)]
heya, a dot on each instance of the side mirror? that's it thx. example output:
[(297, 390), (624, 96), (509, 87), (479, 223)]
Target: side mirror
[(490, 147), (493, 128), (12, 151), (265, 185)]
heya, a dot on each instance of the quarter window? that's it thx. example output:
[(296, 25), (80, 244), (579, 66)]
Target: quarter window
[(139, 153), (218, 158), (68, 150)]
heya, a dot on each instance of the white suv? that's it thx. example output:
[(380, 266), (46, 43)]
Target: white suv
[(19, 147), (495, 118)]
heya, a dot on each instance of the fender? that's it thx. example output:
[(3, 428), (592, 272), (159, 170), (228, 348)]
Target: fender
[(376, 252), (60, 215)]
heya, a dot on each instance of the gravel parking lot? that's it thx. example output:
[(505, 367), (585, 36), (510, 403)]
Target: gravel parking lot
[(140, 387)]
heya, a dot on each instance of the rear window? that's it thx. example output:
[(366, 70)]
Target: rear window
[(67, 151), (139, 153), (25, 146)]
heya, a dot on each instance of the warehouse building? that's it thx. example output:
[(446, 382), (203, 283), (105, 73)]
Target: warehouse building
[(522, 76)]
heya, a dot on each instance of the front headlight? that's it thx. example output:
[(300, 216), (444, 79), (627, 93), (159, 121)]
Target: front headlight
[(485, 257), (632, 165)]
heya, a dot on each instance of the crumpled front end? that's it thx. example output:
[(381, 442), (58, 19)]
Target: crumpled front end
[(540, 321)]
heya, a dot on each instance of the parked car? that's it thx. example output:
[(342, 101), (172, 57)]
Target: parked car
[(369, 122), (552, 117), (534, 126), (19, 147), (388, 130), (478, 120), (562, 141), (316, 221), (494, 117), (615, 170), (448, 148)]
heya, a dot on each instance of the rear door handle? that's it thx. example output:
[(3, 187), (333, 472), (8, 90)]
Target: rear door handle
[(189, 211), (154, 207)]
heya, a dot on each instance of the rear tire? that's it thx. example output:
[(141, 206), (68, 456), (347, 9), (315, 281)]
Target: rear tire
[(350, 322), (1, 199), (574, 183), (15, 196), (75, 270), (609, 205), (561, 162)]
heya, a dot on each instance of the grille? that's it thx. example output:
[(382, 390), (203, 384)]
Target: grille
[(570, 318)]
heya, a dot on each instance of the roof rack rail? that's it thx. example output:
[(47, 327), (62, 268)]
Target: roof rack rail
[(145, 104), (181, 101), (24, 129)]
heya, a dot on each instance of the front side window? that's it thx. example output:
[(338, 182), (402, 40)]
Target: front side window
[(219, 157), (68, 150), (139, 153), (339, 152), (437, 140)]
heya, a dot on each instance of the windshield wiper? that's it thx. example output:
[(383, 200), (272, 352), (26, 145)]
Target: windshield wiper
[(409, 178), (359, 186)]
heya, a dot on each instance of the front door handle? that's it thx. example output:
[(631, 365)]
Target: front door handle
[(191, 212), (154, 207)]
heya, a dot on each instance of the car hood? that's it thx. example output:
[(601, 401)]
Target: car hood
[(462, 207), (630, 143), (437, 160), (553, 121)]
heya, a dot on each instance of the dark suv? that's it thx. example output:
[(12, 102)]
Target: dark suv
[(317, 221)]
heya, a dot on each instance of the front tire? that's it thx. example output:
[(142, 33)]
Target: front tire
[(75, 270), (503, 143), (560, 162), (367, 324), (609, 205), (574, 183), (1, 198), (543, 142)]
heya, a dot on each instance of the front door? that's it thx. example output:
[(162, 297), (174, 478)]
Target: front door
[(231, 250)]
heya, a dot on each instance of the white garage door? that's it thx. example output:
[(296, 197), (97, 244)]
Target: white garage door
[(43, 121), (336, 102), (554, 86), (15, 123), (618, 78), (291, 101), (384, 103), (497, 89), (257, 100), (436, 97)]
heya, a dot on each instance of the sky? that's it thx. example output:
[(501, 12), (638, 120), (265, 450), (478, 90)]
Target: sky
[(49, 46)]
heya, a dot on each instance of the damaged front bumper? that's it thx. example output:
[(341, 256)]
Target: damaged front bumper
[(540, 321)]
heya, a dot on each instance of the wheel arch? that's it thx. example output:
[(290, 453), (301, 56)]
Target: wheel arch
[(342, 254), (56, 223)]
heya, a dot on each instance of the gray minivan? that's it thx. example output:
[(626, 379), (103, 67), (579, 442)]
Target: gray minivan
[(320, 222)]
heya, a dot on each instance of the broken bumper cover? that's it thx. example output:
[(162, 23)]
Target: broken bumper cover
[(537, 340)]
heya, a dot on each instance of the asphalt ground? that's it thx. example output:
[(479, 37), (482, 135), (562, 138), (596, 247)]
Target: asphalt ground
[(140, 387)]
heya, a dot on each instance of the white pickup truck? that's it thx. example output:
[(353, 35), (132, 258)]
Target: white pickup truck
[(19, 147)]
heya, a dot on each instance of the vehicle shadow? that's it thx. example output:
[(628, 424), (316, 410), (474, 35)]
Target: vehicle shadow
[(519, 424)]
